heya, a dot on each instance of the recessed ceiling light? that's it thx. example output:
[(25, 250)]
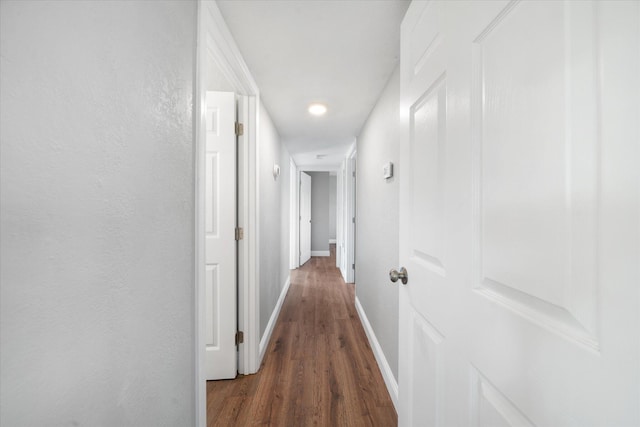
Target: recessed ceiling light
[(317, 109)]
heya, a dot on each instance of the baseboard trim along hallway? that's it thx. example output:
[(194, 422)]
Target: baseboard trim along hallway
[(319, 253), (383, 364), (264, 341)]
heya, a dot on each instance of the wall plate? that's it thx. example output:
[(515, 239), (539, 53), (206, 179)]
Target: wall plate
[(387, 170)]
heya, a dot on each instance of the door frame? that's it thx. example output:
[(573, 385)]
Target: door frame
[(215, 43), (300, 217), (295, 206), (294, 211), (349, 224)]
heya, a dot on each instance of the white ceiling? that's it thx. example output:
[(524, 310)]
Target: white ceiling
[(338, 52)]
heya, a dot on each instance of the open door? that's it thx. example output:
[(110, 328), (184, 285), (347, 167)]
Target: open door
[(220, 242), (305, 217), (519, 214)]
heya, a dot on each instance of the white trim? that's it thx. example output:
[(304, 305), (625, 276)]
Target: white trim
[(246, 110), (215, 43), (332, 241), (199, 225), (320, 253), (387, 374), (345, 210), (294, 223), (264, 342), (224, 51), (251, 306), (349, 259), (340, 220)]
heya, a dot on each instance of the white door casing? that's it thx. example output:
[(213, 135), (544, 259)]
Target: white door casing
[(243, 206), (519, 214), (294, 211), (216, 46), (340, 210), (350, 226), (220, 244), (305, 217)]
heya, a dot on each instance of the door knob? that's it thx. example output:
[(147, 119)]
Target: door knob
[(394, 275)]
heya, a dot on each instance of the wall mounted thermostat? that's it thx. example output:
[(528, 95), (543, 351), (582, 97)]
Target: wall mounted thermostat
[(387, 170)]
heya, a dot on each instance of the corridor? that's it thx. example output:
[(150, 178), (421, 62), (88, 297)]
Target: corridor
[(319, 368)]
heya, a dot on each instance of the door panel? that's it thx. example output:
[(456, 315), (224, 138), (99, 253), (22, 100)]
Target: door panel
[(305, 217), (489, 407), (220, 223), (519, 214), (537, 167), (427, 144), (426, 365)]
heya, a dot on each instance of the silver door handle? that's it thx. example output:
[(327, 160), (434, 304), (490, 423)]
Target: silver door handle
[(394, 275)]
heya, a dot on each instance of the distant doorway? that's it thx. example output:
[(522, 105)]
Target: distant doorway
[(305, 217)]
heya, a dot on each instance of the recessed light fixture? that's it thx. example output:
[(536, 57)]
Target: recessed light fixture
[(317, 109)]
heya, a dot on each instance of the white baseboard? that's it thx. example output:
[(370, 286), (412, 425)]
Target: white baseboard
[(264, 341), (319, 253), (387, 374), (332, 241)]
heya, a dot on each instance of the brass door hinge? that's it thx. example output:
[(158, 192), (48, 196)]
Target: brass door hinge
[(239, 233), (239, 129), (239, 337)]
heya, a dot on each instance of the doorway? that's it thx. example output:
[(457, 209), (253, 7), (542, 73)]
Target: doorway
[(305, 217), (347, 220), (341, 220), (318, 213), (221, 67)]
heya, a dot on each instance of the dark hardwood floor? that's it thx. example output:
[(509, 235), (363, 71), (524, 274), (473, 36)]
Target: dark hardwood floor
[(318, 369)]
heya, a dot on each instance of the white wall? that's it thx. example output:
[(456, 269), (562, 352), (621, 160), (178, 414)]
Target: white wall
[(215, 78), (319, 211), (377, 221), (333, 187), (274, 213), (97, 213)]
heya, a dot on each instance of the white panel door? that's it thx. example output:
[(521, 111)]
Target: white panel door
[(519, 214), (305, 217), (220, 244)]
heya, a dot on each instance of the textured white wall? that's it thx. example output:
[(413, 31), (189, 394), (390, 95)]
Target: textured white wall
[(319, 211), (97, 274), (215, 78), (273, 196), (378, 223)]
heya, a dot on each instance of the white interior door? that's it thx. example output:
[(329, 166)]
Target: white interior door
[(220, 244), (351, 219), (305, 217), (519, 218)]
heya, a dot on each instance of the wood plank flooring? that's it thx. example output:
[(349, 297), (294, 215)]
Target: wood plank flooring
[(318, 369)]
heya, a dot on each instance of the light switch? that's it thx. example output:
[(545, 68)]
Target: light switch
[(387, 170)]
